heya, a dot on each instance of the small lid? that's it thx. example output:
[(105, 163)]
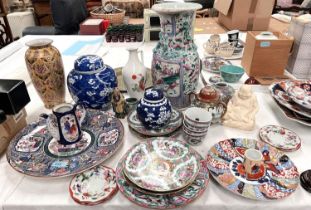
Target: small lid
[(2, 116), (88, 63), (153, 94), (208, 94)]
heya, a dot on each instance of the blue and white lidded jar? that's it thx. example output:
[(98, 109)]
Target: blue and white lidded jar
[(154, 110), (91, 82)]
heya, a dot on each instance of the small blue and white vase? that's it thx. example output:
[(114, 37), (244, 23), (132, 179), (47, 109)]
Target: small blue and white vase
[(91, 82), (154, 110)]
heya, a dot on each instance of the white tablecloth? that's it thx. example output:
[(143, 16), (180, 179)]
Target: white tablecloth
[(18, 191)]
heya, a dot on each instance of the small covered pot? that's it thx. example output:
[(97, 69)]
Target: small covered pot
[(91, 82), (154, 110), (209, 99)]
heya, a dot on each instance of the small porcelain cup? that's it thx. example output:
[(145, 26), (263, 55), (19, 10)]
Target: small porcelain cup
[(65, 123), (233, 37), (131, 104), (253, 164), (196, 124)]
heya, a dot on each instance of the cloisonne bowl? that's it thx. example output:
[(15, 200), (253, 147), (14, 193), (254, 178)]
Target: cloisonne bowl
[(231, 73)]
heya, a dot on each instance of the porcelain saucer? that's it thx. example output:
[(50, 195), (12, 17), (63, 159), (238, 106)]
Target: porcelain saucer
[(175, 122), (280, 138), (93, 186)]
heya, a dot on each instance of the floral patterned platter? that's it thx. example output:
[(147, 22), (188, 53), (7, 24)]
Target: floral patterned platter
[(34, 152), (289, 114), (175, 122), (161, 165), (300, 92), (164, 201), (225, 162), (280, 95), (93, 186), (280, 138)]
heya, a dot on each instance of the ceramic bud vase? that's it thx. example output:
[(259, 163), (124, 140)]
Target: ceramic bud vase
[(134, 74), (176, 64), (45, 67)]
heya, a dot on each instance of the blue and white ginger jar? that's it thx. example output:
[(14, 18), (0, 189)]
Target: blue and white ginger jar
[(154, 110), (91, 82)]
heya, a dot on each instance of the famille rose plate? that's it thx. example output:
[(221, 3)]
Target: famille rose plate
[(165, 201), (161, 165), (35, 152), (93, 186), (280, 138), (281, 96), (225, 162), (174, 123)]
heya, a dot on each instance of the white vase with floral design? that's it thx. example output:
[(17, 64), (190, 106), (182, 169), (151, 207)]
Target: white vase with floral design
[(134, 74), (176, 63)]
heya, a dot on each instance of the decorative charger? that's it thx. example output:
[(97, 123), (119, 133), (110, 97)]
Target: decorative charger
[(34, 152)]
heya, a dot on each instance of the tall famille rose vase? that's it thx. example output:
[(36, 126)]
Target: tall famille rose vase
[(45, 67), (176, 63)]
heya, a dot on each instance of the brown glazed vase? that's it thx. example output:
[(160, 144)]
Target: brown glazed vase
[(45, 67)]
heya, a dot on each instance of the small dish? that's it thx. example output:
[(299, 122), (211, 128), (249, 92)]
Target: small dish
[(174, 123), (212, 64), (231, 73), (215, 79), (280, 138), (94, 186)]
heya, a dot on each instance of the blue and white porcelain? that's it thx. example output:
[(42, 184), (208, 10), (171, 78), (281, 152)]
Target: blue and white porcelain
[(154, 110), (91, 82)]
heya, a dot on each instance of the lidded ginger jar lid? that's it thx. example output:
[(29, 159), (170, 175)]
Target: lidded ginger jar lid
[(39, 43), (208, 94), (153, 94), (89, 63)]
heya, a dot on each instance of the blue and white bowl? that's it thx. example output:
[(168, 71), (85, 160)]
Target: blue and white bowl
[(91, 82), (154, 110)]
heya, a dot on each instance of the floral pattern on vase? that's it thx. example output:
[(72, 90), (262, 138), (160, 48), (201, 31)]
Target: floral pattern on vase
[(176, 64), (45, 67)]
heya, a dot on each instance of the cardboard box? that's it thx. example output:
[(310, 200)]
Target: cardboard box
[(245, 15), (92, 27), (266, 57)]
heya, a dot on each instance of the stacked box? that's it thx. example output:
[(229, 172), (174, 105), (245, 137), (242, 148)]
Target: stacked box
[(299, 62), (152, 26)]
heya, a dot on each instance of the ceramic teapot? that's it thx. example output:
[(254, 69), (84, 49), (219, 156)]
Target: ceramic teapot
[(209, 99), (154, 110), (65, 123)]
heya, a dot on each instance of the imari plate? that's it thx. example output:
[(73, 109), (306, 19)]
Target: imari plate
[(165, 201), (175, 122), (225, 162), (161, 165), (300, 92), (93, 186), (280, 95), (280, 138), (35, 152)]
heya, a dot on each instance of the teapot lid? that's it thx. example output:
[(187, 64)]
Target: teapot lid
[(208, 94), (153, 94), (87, 63)]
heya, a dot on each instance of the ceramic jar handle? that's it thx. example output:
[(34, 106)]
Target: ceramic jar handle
[(141, 56), (80, 112), (224, 106)]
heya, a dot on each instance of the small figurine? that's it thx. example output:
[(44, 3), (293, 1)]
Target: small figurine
[(118, 104), (241, 109)]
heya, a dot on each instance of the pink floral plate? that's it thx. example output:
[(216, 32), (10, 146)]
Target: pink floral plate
[(280, 138), (164, 201), (161, 165), (225, 162), (94, 186)]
